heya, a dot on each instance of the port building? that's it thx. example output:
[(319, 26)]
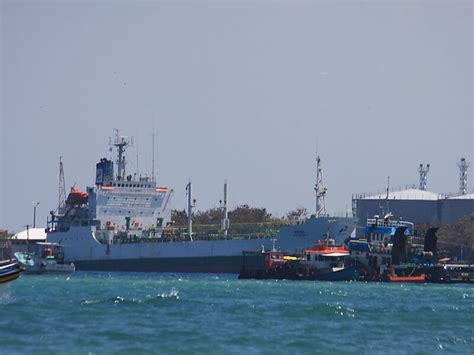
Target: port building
[(414, 205)]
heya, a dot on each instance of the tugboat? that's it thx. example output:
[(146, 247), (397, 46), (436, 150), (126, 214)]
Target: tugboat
[(389, 252), (374, 253), (330, 262), (326, 261)]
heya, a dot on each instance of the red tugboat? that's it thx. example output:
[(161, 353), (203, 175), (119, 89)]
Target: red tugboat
[(326, 261)]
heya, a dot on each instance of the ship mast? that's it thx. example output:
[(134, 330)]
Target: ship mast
[(387, 212), (121, 143), (62, 187), (191, 205), (153, 150), (320, 191), (225, 221)]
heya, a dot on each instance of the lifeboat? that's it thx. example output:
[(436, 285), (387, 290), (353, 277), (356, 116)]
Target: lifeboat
[(76, 197)]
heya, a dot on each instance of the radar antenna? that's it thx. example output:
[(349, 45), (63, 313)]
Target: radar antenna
[(320, 191), (463, 165), (423, 171), (62, 187)]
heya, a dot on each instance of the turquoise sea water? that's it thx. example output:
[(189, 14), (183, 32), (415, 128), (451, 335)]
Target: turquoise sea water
[(132, 313)]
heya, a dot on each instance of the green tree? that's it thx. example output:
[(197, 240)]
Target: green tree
[(301, 213), (246, 214), (212, 216), (179, 218), (458, 238)]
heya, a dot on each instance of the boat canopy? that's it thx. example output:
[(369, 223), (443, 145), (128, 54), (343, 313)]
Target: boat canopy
[(335, 254)]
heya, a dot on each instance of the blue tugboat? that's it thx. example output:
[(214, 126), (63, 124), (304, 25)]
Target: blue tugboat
[(389, 252), (381, 247)]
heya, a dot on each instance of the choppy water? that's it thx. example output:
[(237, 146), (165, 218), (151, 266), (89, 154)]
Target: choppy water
[(167, 313)]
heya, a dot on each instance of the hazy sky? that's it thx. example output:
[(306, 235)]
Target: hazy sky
[(239, 91)]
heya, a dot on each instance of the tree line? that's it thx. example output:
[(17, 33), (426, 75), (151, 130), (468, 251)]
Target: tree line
[(458, 238), (241, 214), (455, 239)]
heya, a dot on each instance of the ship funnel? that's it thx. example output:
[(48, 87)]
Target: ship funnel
[(399, 246), (431, 241), (104, 172)]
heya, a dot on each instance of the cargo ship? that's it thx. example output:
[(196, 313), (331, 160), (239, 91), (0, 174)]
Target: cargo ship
[(123, 223)]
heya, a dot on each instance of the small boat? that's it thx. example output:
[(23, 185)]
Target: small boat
[(48, 258), (9, 270), (390, 276), (449, 273)]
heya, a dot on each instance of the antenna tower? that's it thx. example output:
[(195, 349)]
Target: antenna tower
[(153, 150), (121, 142), (320, 191), (463, 165), (423, 171), (387, 196), (62, 186)]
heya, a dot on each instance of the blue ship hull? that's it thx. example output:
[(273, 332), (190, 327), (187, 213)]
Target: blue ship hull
[(346, 274)]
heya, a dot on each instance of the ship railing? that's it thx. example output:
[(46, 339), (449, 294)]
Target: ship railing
[(267, 231), (380, 222), (185, 238), (235, 228)]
